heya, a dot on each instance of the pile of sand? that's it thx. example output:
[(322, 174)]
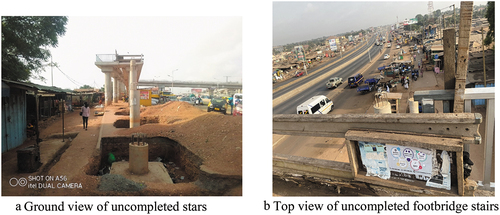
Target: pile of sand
[(172, 112)]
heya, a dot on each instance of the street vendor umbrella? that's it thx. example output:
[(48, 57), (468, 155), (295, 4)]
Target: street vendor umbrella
[(381, 68)]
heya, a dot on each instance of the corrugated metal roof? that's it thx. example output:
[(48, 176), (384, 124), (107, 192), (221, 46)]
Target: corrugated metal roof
[(40, 88)]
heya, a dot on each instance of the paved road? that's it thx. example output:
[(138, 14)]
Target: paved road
[(346, 100), (320, 67), (289, 106)]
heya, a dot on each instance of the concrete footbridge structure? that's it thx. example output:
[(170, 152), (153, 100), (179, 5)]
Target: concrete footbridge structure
[(192, 84), (125, 71)]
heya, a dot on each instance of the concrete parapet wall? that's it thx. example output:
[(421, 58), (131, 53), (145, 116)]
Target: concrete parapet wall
[(288, 164)]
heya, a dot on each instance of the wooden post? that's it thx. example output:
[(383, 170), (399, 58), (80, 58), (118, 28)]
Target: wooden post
[(463, 54), (449, 41)]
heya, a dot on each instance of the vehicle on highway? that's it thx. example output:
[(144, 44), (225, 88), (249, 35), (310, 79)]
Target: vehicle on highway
[(334, 82), (217, 104), (388, 45), (316, 105), (386, 56), (299, 73), (398, 47), (356, 80)]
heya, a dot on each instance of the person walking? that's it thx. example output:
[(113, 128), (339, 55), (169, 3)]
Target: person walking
[(85, 113)]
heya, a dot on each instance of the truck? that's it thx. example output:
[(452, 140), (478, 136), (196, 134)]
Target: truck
[(355, 81), (371, 84), (334, 82)]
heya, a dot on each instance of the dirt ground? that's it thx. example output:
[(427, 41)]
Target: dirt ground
[(214, 137)]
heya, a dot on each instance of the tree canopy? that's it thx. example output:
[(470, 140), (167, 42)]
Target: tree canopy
[(490, 15), (86, 87), (25, 40)]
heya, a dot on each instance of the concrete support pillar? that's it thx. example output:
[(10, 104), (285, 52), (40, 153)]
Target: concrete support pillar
[(115, 90), (489, 139), (134, 97), (107, 88)]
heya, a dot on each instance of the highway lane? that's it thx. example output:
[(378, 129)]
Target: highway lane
[(289, 107), (319, 71), (346, 100), (313, 70)]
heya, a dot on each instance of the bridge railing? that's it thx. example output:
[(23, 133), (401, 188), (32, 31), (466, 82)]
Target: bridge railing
[(435, 132), (105, 57)]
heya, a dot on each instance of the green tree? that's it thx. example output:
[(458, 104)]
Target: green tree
[(86, 87), (420, 19), (490, 15), (25, 40), (437, 13)]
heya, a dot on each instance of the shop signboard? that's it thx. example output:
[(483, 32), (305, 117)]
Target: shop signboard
[(333, 45)]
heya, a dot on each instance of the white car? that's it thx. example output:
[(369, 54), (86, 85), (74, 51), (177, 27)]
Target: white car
[(397, 47), (388, 45), (386, 56)]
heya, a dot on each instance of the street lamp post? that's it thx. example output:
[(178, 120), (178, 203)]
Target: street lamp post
[(173, 79)]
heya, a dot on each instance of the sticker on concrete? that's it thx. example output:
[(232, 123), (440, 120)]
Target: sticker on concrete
[(374, 158), (413, 161)]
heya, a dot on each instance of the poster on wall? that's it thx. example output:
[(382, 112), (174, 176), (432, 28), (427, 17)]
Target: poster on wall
[(144, 95), (409, 162), (374, 158)]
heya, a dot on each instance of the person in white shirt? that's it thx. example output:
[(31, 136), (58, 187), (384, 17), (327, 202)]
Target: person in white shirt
[(85, 113)]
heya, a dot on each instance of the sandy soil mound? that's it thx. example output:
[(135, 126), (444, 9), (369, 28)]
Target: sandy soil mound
[(171, 112), (215, 137)]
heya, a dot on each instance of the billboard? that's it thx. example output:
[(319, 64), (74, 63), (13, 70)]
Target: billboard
[(410, 21), (333, 45), (350, 38), (299, 51)]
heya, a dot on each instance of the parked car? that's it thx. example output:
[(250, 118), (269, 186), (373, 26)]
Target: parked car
[(398, 47), (187, 99), (299, 73), (386, 56), (198, 101), (155, 101), (205, 99), (217, 104)]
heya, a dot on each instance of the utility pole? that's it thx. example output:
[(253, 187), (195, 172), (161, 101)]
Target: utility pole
[(51, 71), (463, 54), (484, 59), (454, 17)]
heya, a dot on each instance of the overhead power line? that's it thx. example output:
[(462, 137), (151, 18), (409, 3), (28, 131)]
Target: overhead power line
[(69, 78)]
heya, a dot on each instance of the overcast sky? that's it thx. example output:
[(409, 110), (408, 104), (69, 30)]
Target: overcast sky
[(200, 48), (299, 21)]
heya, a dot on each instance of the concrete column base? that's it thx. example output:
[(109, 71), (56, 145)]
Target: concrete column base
[(138, 159)]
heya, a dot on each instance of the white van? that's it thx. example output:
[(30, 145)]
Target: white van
[(316, 105)]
